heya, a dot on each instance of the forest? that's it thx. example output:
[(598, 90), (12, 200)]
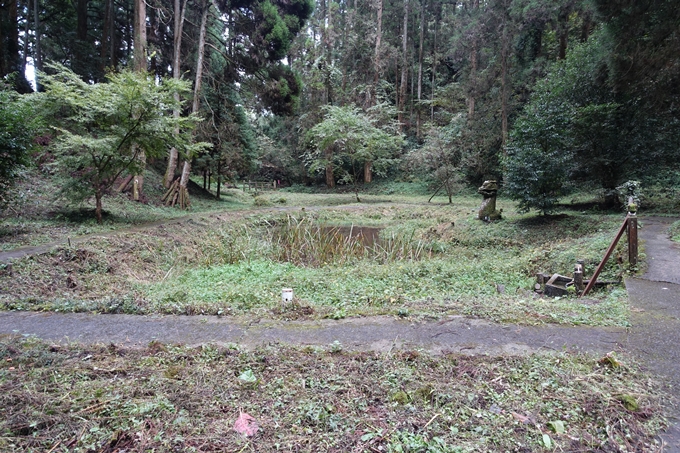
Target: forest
[(255, 225), (544, 96)]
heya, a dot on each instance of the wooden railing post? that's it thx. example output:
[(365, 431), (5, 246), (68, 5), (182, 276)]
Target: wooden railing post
[(632, 239), (607, 254)]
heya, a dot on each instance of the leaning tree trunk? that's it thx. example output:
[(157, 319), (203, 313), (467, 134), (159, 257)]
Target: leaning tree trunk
[(139, 57), (182, 192)]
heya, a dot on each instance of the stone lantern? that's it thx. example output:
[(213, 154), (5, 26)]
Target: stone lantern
[(488, 210)]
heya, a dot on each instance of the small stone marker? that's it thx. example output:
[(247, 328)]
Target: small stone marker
[(488, 210), (578, 278), (286, 295)]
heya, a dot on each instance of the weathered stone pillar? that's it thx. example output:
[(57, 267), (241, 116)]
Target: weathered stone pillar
[(488, 209)]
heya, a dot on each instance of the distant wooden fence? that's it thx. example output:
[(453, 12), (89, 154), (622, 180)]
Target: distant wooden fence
[(259, 186)]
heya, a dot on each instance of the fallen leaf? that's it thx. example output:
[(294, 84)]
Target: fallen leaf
[(557, 426), (246, 425), (547, 441), (248, 377)]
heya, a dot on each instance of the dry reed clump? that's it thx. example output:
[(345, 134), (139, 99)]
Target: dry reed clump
[(306, 243)]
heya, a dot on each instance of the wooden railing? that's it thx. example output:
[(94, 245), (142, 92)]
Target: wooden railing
[(630, 225), (259, 186)]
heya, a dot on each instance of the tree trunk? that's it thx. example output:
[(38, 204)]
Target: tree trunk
[(562, 53), (37, 57), (368, 165), (378, 39), (139, 50), (176, 58), (326, 50), (505, 62), (329, 54), (419, 118), (218, 192), (330, 179), (26, 35), (186, 169), (404, 68), (473, 67), (106, 28), (434, 61), (81, 27), (81, 37), (98, 205), (139, 47), (10, 60), (81, 31), (368, 172)]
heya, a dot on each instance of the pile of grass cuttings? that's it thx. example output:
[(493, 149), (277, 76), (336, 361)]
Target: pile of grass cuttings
[(171, 398)]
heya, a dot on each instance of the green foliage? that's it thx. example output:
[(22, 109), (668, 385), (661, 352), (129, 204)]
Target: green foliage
[(440, 156), (578, 127), (643, 62), (104, 128), (18, 125), (538, 161), (347, 138), (233, 154), (674, 231)]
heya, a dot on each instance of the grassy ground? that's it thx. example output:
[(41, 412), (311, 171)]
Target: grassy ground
[(674, 231), (36, 215), (431, 260), (171, 398)]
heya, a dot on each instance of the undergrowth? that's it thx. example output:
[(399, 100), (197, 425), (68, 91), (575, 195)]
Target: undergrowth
[(674, 231), (418, 260), (36, 215)]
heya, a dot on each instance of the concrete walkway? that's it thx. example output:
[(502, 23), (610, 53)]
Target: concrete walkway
[(654, 336), (382, 333)]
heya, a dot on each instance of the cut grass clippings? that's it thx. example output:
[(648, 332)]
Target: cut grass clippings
[(172, 398)]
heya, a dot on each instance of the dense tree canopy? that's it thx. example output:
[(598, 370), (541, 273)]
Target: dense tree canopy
[(534, 94)]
